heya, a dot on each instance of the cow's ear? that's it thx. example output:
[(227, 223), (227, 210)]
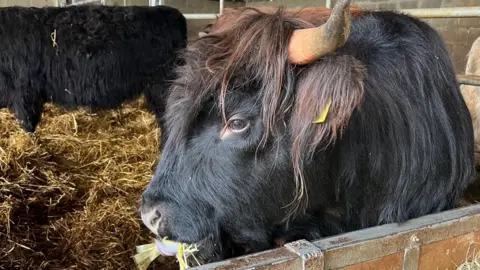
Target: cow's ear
[(327, 93)]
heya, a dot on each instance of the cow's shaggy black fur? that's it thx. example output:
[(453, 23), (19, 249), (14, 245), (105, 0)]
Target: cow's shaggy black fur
[(99, 57), (397, 142)]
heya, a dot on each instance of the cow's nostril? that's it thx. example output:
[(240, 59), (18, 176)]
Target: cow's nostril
[(156, 220), (151, 220), (156, 217)]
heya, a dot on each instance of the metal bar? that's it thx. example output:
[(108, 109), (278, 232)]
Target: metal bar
[(312, 256), (328, 4), (420, 13), (220, 6), (468, 79), (207, 16), (411, 255), (458, 12), (83, 2)]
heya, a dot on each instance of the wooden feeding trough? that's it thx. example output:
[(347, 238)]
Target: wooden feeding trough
[(434, 242), (439, 241)]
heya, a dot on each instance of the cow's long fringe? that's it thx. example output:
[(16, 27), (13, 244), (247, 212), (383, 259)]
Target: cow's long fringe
[(261, 46), (254, 51)]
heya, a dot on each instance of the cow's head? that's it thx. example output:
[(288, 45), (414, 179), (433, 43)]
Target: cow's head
[(239, 134)]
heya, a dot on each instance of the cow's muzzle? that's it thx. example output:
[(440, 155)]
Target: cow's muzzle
[(155, 217)]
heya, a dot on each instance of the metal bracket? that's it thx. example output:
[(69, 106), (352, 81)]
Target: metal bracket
[(312, 256), (412, 254)]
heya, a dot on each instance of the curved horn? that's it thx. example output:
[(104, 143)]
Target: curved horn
[(307, 45)]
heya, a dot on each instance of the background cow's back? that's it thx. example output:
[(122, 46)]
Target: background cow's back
[(93, 56)]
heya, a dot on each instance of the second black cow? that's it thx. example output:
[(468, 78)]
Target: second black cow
[(91, 56)]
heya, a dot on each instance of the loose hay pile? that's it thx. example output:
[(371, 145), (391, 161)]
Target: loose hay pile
[(473, 264), (69, 195), (472, 260)]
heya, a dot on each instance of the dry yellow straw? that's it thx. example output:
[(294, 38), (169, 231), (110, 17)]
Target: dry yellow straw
[(474, 264), (146, 254)]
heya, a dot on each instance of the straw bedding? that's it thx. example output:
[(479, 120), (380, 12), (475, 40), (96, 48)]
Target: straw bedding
[(69, 195), (471, 263)]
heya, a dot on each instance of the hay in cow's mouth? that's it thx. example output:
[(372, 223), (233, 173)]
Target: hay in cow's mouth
[(69, 195), (164, 247)]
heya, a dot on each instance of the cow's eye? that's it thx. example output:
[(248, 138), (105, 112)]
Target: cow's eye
[(238, 125)]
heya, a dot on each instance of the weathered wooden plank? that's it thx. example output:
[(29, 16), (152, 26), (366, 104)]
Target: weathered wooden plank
[(280, 258), (390, 262), (449, 253), (296, 255), (378, 245), (373, 243)]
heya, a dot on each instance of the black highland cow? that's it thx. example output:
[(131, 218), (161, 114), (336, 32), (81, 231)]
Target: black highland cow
[(244, 165), (92, 56)]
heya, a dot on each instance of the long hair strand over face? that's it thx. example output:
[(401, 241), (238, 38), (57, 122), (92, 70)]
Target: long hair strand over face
[(252, 53)]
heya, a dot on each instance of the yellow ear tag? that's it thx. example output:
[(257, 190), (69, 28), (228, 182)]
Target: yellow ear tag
[(321, 118)]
